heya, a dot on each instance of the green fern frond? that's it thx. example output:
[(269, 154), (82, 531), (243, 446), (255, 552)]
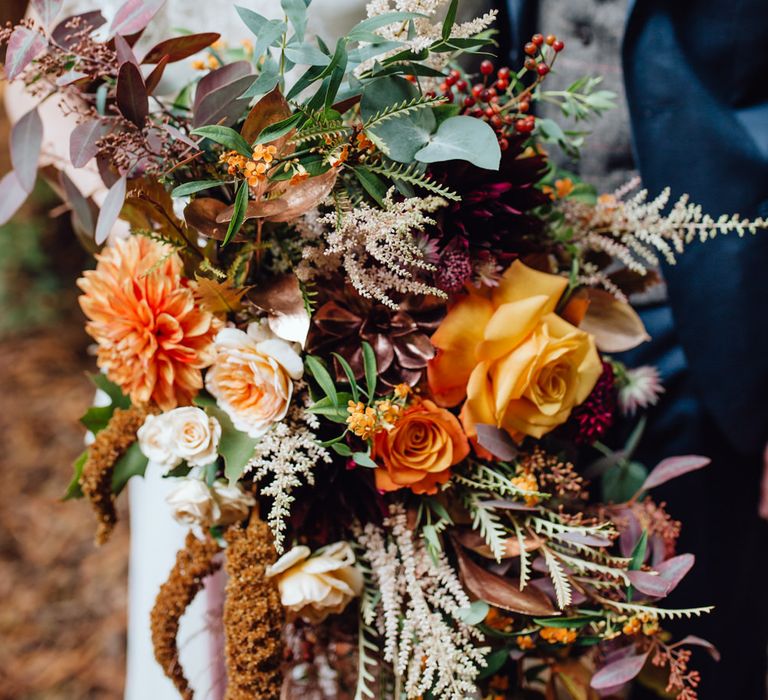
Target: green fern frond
[(525, 557), (410, 174), (334, 130), (488, 523), (586, 566), (401, 109), (207, 266)]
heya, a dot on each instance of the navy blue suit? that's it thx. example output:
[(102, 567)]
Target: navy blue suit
[(696, 75)]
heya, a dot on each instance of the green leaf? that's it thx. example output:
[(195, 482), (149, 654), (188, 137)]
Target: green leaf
[(494, 662), (474, 614), (463, 138), (373, 184), (278, 129), (364, 460), (97, 418), (450, 18), (336, 413), (369, 366), (379, 21), (116, 396), (575, 621), (225, 136), (267, 80), (132, 463), (192, 187), (639, 551), (342, 449), (73, 489), (235, 447), (322, 377), (253, 20), (296, 11), (238, 214), (401, 136), (307, 55), (622, 481), (339, 63), (270, 34), (350, 376), (312, 74)]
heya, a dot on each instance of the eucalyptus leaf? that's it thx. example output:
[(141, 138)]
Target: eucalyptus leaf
[(363, 459), (463, 138)]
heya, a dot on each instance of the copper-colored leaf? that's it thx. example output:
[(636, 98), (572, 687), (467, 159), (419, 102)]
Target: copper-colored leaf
[(201, 214), (219, 297), (305, 195), (614, 324), (255, 210), (180, 47), (283, 301), (149, 206), (576, 308), (572, 676), (471, 539), (502, 592), (270, 109)]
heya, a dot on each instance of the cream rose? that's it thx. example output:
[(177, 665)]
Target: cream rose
[(192, 503), (183, 434), (315, 586), (234, 503), (252, 377)]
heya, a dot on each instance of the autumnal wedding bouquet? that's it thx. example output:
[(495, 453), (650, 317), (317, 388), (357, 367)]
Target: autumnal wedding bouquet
[(344, 301)]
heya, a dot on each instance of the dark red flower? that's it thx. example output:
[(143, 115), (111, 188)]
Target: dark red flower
[(592, 419)]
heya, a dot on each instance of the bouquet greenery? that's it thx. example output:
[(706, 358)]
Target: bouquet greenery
[(345, 301)]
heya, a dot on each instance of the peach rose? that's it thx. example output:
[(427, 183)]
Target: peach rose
[(252, 377), (419, 450), (520, 366)]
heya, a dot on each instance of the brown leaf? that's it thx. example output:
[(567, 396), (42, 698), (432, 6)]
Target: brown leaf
[(270, 109), (502, 592), (471, 539), (219, 297), (572, 678), (614, 324), (284, 303), (201, 214), (255, 210), (149, 206), (305, 195)]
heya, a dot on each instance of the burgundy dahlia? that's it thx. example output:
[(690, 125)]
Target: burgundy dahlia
[(595, 416), (494, 211)]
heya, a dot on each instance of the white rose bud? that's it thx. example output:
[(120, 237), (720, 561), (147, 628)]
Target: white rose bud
[(234, 503), (195, 435), (156, 442), (192, 503), (313, 587)]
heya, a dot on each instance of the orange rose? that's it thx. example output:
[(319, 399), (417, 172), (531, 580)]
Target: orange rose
[(420, 450), (520, 366)]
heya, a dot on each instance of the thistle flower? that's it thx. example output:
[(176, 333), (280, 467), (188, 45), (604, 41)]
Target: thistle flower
[(641, 388)]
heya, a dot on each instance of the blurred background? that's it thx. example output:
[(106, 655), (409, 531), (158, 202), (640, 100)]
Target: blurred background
[(62, 600)]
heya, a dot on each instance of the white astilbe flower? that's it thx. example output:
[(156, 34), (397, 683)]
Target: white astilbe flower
[(429, 647), (639, 233), (288, 454), (426, 29), (376, 247)]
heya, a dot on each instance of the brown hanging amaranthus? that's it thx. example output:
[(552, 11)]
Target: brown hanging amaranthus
[(193, 564), (110, 445), (253, 615)]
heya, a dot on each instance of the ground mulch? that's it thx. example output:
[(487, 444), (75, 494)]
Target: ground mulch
[(62, 600)]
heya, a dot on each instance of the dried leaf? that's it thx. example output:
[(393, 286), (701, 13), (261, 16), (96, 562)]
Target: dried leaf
[(180, 47), (502, 592), (219, 297), (619, 672), (614, 324), (305, 195), (84, 141), (153, 79), (132, 97), (26, 141), (134, 15), (474, 541), (255, 210), (284, 303), (24, 45), (496, 441), (87, 22), (149, 206), (270, 109), (672, 467), (12, 196), (201, 214), (110, 210)]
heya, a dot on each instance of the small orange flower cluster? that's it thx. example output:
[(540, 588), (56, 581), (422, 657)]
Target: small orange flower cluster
[(364, 143), (525, 642), (339, 156), (253, 169), (362, 420), (643, 622), (210, 63), (495, 619), (561, 190), (527, 482), (559, 635)]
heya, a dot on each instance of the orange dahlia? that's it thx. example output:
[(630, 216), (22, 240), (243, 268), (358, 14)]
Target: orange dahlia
[(153, 339)]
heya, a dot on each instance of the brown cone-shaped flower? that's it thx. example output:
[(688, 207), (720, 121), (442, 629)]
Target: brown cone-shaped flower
[(253, 615), (400, 339)]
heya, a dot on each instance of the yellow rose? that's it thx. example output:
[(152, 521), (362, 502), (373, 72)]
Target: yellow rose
[(520, 366), (315, 586)]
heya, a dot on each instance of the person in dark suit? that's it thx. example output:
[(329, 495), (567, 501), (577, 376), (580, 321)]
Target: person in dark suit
[(695, 78)]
